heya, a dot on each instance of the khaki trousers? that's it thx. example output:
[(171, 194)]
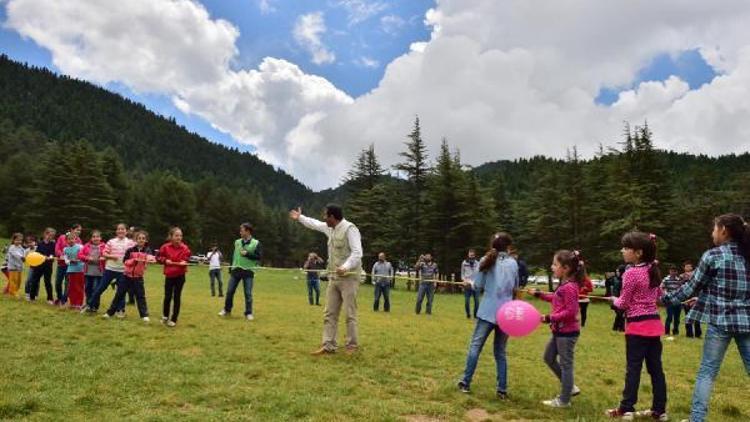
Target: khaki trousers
[(340, 291)]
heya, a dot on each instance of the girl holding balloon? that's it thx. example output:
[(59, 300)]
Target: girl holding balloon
[(559, 354), (498, 275)]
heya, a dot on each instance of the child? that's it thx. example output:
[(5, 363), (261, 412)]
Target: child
[(672, 283), (174, 255), (559, 355), (692, 328), (92, 255), (583, 298), (46, 247), (214, 257), (498, 276), (114, 250), (14, 259), (135, 260), (61, 277), (74, 271), (640, 292), (30, 245)]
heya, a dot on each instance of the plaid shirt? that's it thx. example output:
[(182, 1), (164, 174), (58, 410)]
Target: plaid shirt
[(723, 289)]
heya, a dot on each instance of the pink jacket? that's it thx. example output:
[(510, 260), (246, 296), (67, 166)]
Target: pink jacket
[(136, 260), (86, 251), (564, 315), (637, 298)]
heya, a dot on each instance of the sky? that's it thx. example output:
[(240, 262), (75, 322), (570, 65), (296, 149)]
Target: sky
[(307, 85)]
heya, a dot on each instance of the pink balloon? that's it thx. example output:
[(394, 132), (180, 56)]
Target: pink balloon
[(518, 318)]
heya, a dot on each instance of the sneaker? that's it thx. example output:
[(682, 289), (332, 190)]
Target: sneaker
[(502, 395), (670, 338), (556, 403), (84, 309), (120, 314), (223, 312), (464, 387), (146, 319), (249, 317), (50, 302), (575, 391), (28, 298), (662, 417), (620, 414), (323, 351), (171, 324), (106, 316)]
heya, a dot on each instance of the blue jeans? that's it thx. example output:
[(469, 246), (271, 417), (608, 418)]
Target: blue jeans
[(481, 333), (468, 294), (90, 287), (215, 277), (673, 319), (62, 291), (313, 285), (383, 288), (714, 347), (247, 281), (427, 289), (94, 300)]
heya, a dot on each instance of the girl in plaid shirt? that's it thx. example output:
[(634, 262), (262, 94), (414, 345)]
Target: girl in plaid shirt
[(722, 285), (640, 293)]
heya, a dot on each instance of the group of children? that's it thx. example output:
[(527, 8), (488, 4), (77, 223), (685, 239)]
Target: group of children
[(86, 271), (717, 293)]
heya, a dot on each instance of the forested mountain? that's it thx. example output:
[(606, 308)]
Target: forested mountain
[(73, 152)]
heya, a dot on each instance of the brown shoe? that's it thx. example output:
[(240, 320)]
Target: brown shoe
[(322, 351), (351, 350)]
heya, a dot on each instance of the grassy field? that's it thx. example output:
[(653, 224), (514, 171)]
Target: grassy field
[(59, 364)]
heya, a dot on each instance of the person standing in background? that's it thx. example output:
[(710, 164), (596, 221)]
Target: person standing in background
[(312, 265), (469, 268), (427, 272), (215, 257), (382, 273)]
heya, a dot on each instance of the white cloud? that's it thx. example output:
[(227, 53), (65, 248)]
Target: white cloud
[(392, 24), (361, 10), (307, 32), (266, 6), (368, 62), (498, 79)]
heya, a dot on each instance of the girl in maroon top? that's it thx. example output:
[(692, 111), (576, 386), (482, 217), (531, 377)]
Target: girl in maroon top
[(568, 267), (640, 292), (174, 255)]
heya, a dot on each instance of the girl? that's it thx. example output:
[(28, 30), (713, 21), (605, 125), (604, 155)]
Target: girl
[(214, 257), (74, 271), (722, 283), (92, 255), (61, 279), (113, 253), (45, 247), (640, 292), (559, 355), (174, 255), (30, 246), (583, 298), (135, 260), (498, 276), (14, 259)]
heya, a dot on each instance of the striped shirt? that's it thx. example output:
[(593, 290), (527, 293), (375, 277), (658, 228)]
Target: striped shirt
[(671, 284), (721, 284)]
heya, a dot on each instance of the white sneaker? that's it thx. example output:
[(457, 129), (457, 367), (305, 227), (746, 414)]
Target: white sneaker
[(84, 309), (120, 314), (223, 312), (105, 316), (28, 298), (249, 317), (650, 414), (171, 323), (556, 403), (146, 319), (575, 391), (50, 302), (164, 319), (670, 338)]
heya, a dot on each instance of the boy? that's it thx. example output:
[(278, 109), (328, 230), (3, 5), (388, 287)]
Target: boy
[(670, 284)]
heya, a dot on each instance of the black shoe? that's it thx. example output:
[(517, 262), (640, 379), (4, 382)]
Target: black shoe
[(221, 295), (463, 387), (502, 395)]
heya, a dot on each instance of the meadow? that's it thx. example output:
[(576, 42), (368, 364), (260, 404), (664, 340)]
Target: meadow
[(60, 364)]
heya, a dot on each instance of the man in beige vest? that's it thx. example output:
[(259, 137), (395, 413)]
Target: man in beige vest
[(344, 267)]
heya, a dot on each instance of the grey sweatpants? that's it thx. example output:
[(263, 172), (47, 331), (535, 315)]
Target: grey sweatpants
[(564, 348)]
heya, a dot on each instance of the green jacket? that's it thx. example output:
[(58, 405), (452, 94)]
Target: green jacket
[(249, 261)]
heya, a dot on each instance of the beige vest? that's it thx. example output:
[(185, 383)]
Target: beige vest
[(339, 248)]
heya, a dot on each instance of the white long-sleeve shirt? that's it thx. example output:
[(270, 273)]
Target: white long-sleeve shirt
[(355, 240)]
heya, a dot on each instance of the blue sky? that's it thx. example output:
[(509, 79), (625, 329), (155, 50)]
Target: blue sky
[(376, 39)]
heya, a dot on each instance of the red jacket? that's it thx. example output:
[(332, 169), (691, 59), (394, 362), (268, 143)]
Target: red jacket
[(135, 261), (169, 251), (86, 251), (586, 288)]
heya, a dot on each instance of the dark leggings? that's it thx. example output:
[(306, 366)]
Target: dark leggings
[(584, 311), (173, 290)]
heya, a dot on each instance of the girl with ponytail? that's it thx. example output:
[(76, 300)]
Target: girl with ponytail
[(638, 299), (498, 276), (568, 267), (722, 286)]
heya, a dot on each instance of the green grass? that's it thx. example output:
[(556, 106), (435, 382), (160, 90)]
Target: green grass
[(59, 364)]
